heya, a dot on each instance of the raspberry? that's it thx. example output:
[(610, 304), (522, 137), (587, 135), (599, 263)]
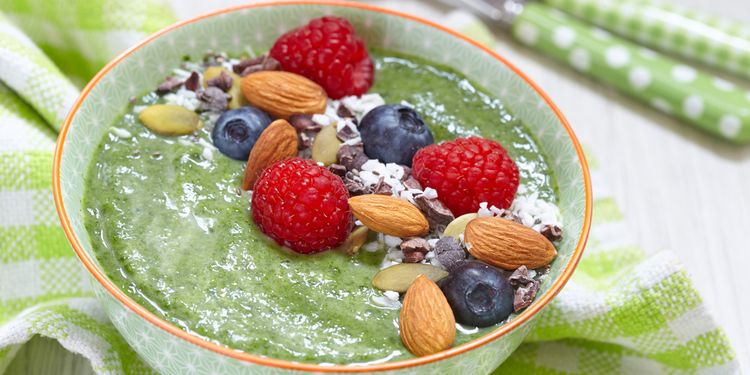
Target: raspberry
[(302, 205), (466, 172), (327, 51)]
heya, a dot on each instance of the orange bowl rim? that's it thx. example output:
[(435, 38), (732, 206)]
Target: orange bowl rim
[(526, 315)]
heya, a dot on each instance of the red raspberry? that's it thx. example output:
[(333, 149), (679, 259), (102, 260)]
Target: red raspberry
[(327, 51), (302, 205), (466, 172)]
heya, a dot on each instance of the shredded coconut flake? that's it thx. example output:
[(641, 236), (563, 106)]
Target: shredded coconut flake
[(372, 246), (391, 295), (395, 170), (183, 97), (363, 104), (533, 211), (392, 241), (207, 153), (321, 120), (385, 302), (121, 133), (430, 193)]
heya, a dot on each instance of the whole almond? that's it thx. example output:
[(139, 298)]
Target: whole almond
[(507, 244), (427, 323), (277, 142), (389, 215), (282, 94)]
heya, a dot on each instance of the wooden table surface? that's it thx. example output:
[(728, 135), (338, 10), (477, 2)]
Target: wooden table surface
[(680, 189)]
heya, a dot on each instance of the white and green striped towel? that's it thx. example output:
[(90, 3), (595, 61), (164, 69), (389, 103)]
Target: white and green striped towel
[(622, 312)]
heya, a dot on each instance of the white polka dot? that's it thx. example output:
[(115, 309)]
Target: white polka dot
[(639, 77), (730, 125), (627, 10), (648, 53), (693, 106), (617, 56), (580, 59), (600, 34), (563, 37), (722, 84), (528, 33), (683, 73), (661, 105)]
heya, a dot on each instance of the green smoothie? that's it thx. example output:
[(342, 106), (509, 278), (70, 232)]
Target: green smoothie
[(174, 231)]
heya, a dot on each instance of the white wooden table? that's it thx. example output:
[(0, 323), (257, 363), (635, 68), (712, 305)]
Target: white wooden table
[(679, 189)]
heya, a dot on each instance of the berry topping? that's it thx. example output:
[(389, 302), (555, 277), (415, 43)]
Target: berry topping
[(237, 130), (466, 172), (327, 51), (479, 294), (393, 133), (302, 205)]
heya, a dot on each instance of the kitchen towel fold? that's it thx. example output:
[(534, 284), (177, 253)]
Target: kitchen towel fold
[(622, 312)]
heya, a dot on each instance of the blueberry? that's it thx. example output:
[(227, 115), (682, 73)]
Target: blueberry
[(237, 130), (393, 133), (479, 294)]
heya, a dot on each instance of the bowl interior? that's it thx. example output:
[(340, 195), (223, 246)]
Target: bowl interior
[(254, 29)]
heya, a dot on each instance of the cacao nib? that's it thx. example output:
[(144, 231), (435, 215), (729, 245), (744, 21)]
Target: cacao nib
[(524, 296), (346, 133), (305, 140), (414, 249), (412, 183), (382, 188), (355, 187), (449, 253), (193, 81), (223, 81), (256, 64), (338, 170), (552, 232), (213, 99), (520, 277), (437, 213), (344, 112), (407, 174), (304, 123), (170, 84), (351, 157)]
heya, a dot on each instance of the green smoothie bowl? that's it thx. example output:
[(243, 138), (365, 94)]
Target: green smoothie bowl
[(320, 186)]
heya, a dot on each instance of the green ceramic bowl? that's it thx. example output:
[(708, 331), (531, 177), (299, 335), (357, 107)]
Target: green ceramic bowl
[(171, 350)]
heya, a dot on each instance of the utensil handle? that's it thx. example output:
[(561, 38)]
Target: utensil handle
[(714, 41), (697, 98)]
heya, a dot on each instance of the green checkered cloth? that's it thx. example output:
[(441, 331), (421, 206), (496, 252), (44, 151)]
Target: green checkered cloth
[(623, 311)]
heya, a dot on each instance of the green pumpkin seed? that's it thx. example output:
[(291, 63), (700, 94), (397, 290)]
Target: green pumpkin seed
[(355, 240), (398, 278), (325, 148), (457, 227), (169, 119)]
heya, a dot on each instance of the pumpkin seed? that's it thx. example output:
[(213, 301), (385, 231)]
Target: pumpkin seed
[(355, 240), (238, 100), (398, 278), (456, 227), (169, 119), (325, 148)]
